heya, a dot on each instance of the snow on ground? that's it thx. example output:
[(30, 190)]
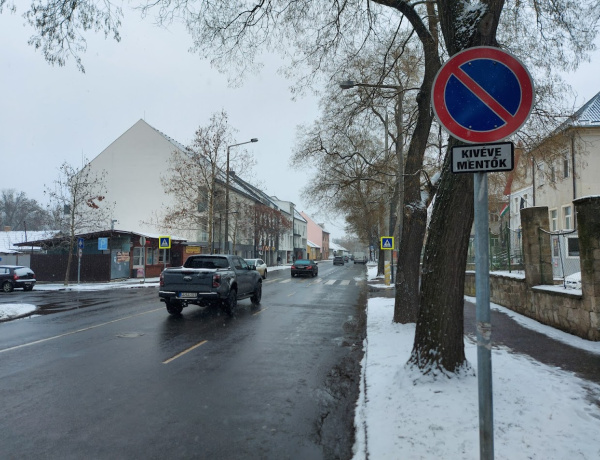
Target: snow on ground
[(540, 412)]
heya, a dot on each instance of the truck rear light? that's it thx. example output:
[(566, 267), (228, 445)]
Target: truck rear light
[(162, 280), (216, 280)]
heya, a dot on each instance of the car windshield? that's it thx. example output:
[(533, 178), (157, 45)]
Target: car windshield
[(206, 262)]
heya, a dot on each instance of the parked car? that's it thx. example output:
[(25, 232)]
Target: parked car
[(16, 276), (259, 265), (573, 281), (338, 260), (305, 267)]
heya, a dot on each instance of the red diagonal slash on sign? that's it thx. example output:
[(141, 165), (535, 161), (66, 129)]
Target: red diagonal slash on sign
[(482, 94)]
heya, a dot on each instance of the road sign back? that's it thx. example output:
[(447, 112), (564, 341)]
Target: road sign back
[(482, 94)]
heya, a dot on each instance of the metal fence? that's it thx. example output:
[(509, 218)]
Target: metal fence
[(506, 250)]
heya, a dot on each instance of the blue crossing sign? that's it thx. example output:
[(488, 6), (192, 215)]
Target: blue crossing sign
[(482, 95), (387, 242), (164, 242)]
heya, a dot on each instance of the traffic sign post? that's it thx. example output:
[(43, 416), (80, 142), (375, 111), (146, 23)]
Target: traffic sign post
[(80, 243), (164, 243), (483, 95), (387, 242)]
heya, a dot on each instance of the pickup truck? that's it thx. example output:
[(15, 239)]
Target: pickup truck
[(210, 279)]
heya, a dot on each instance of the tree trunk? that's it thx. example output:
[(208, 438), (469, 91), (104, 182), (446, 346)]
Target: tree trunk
[(439, 341), (414, 210)]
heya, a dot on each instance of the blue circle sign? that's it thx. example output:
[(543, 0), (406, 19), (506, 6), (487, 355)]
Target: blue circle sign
[(482, 95)]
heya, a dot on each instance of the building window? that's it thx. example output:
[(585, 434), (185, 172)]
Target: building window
[(161, 255), (568, 217), (516, 206), (151, 256), (566, 169), (552, 173), (554, 220), (138, 257), (573, 247), (542, 174)]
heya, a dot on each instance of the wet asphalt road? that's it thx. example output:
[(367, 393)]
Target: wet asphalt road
[(112, 375)]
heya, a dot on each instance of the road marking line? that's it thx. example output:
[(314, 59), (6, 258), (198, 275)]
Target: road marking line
[(330, 281), (259, 311), (286, 281), (290, 295), (345, 282), (178, 355), (77, 331)]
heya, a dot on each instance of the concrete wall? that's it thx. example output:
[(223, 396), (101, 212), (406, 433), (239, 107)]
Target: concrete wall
[(572, 311)]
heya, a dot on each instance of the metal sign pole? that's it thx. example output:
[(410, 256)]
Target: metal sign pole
[(483, 318)]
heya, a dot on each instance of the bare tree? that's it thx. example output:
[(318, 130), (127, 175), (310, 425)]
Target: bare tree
[(21, 213), (196, 178), (79, 194)]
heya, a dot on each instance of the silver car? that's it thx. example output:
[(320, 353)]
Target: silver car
[(259, 265)]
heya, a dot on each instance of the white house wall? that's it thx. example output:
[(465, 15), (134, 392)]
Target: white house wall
[(135, 162)]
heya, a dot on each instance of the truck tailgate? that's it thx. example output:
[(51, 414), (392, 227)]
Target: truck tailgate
[(189, 280)]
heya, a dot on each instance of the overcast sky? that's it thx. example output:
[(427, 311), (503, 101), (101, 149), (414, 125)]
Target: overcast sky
[(52, 114)]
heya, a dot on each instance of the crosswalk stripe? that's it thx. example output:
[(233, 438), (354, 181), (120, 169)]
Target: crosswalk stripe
[(345, 282), (330, 281)]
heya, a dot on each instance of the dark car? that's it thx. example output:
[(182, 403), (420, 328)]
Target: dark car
[(338, 260), (16, 276), (305, 267)]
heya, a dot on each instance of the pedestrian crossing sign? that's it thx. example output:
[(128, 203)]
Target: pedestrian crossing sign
[(387, 242), (164, 242)]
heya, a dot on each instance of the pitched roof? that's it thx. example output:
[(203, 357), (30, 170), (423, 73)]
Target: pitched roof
[(588, 115)]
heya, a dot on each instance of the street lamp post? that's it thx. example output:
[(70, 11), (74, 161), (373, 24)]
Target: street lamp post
[(348, 84), (227, 193)]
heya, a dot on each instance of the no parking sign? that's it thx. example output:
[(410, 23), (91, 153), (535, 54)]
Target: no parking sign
[(482, 95)]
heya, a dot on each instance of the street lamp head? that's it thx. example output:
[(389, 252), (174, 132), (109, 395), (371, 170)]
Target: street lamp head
[(347, 84), (254, 139)]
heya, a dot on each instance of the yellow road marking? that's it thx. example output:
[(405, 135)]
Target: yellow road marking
[(259, 311), (193, 347), (77, 331)]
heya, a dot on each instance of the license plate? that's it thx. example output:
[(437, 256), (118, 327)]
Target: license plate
[(188, 295)]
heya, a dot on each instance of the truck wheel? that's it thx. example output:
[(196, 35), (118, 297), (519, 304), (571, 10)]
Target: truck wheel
[(230, 303), (174, 307), (255, 299)]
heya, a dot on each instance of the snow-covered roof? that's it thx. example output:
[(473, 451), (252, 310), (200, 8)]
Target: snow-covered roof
[(312, 245), (9, 239), (336, 247), (589, 114)]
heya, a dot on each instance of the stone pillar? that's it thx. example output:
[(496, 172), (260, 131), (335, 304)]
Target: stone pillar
[(537, 255), (588, 230)]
